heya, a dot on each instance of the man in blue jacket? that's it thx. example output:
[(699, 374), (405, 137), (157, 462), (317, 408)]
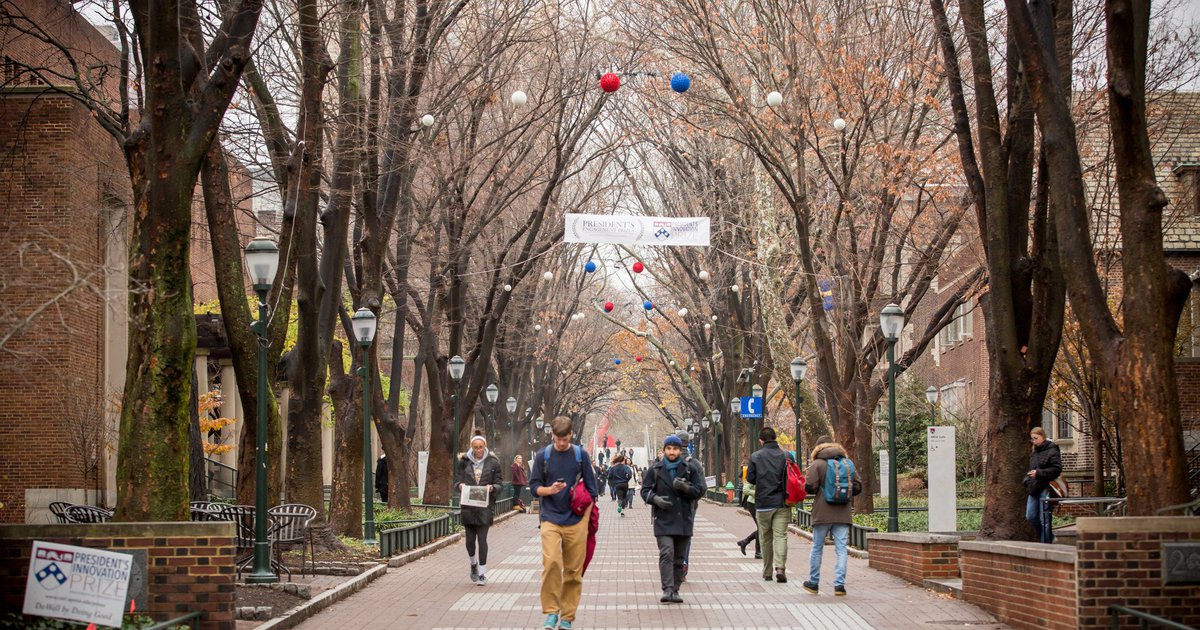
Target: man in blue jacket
[(672, 487), (556, 470)]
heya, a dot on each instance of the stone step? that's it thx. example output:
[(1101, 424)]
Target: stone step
[(952, 587)]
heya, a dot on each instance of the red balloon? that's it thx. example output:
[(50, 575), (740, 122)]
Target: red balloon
[(638, 359), (608, 307), (638, 267), (610, 82)]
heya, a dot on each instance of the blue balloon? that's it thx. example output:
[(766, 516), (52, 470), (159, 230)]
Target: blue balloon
[(680, 82), (589, 267), (648, 305), (617, 361)]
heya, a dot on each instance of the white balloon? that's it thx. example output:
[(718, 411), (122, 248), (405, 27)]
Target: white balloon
[(582, 315), (714, 318), (588, 365), (519, 98), (549, 275), (672, 364), (549, 331), (683, 312), (427, 120), (537, 326), (839, 124), (734, 288), (704, 276), (774, 99), (508, 287), (707, 326)]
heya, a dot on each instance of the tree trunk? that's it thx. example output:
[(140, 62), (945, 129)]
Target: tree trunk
[(197, 489), (346, 498)]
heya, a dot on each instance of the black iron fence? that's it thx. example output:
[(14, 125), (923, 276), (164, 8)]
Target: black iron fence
[(400, 536), (1145, 618)]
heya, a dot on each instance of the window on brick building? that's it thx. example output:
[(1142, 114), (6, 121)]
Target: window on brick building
[(1187, 339), (960, 329), (1066, 430)]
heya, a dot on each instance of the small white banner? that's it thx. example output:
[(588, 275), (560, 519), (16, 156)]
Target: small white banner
[(422, 472), (635, 230), (710, 481), (77, 583)]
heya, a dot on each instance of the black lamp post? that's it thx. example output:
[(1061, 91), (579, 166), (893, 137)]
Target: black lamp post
[(757, 392), (931, 395), (511, 406), (262, 260), (798, 367), (364, 323), (458, 367), (735, 415), (492, 393), (716, 425), (891, 322)]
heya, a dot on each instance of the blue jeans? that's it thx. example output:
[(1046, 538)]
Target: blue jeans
[(841, 538), (1033, 514)]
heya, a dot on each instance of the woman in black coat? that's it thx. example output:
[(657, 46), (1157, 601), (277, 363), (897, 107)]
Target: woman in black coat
[(1045, 465), (478, 467)]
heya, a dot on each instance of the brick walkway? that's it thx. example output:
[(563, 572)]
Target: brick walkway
[(724, 589)]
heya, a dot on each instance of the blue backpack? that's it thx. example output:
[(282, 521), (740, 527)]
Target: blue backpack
[(839, 477)]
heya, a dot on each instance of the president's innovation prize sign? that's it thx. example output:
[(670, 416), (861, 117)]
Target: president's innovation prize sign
[(77, 583)]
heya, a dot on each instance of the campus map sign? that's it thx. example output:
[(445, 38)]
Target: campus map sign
[(77, 583), (635, 230)]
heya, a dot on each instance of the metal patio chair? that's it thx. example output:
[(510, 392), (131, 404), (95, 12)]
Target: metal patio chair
[(291, 521), (59, 510), (87, 514)]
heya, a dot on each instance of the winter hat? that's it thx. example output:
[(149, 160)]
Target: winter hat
[(683, 437), (479, 438), (672, 440)]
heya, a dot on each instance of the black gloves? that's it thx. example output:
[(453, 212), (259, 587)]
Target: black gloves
[(680, 485), (662, 503)]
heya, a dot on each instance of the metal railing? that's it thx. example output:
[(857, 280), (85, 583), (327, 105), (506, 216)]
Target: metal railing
[(1105, 506), (858, 533), (1145, 617), (713, 494), (174, 623), (222, 478), (402, 539)]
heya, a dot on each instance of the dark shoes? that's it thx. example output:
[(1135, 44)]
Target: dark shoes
[(675, 598), (812, 587), (666, 597), (780, 576), (758, 555), (840, 591), (670, 597), (742, 545)]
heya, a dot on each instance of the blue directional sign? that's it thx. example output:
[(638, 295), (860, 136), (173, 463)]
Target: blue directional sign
[(752, 407)]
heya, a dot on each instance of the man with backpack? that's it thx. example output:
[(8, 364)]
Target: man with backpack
[(834, 482), (768, 471)]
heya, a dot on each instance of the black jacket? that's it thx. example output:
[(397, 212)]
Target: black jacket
[(768, 472), (678, 520), (1046, 459), (490, 476), (620, 475)]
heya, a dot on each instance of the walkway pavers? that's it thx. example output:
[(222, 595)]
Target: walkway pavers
[(620, 591)]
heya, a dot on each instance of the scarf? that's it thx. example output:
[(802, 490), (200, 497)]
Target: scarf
[(672, 466), (477, 464)]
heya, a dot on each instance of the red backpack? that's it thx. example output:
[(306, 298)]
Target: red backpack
[(795, 484)]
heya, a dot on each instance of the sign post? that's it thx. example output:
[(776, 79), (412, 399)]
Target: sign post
[(943, 482), (77, 583)]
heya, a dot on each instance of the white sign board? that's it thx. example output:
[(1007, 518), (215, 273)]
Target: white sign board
[(884, 467), (943, 480), (636, 230), (710, 481), (77, 583), (422, 470)]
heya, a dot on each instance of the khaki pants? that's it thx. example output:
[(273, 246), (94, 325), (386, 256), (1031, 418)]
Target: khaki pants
[(772, 535), (563, 552)]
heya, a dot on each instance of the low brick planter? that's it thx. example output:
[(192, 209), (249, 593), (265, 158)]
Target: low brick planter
[(915, 556), (1025, 585)]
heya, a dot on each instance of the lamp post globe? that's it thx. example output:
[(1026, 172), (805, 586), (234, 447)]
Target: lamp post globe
[(891, 322), (931, 395), (262, 261), (364, 324), (457, 367), (511, 404), (799, 368)]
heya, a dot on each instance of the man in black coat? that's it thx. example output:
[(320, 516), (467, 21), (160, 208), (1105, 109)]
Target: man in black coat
[(672, 487), (768, 472)]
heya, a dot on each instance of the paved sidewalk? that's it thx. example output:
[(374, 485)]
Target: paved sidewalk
[(724, 589)]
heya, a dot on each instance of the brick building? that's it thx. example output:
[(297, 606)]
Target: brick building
[(957, 362)]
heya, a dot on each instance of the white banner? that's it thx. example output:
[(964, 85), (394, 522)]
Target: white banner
[(634, 230), (422, 471), (77, 583)]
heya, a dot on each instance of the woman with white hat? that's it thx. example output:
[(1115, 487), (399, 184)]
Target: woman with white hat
[(481, 468)]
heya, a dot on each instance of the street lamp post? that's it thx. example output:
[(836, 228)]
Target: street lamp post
[(262, 260), (735, 418), (364, 323), (891, 322), (457, 367), (931, 395), (757, 392), (704, 423), (491, 393), (716, 418), (798, 367), (510, 405)]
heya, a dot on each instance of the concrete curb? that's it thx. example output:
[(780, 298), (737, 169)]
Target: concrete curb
[(438, 545), (293, 617)]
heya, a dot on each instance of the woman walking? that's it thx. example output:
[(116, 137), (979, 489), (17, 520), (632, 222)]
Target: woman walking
[(520, 477), (479, 467), (748, 505)]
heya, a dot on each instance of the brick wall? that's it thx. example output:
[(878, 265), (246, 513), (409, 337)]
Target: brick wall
[(1120, 561), (190, 566), (915, 557), (1025, 585)]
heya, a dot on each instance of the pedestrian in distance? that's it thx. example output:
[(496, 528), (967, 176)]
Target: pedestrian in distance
[(619, 475), (520, 477), (747, 503), (833, 482), (381, 477), (479, 467), (601, 478), (1045, 465), (557, 470), (768, 472), (671, 487)]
